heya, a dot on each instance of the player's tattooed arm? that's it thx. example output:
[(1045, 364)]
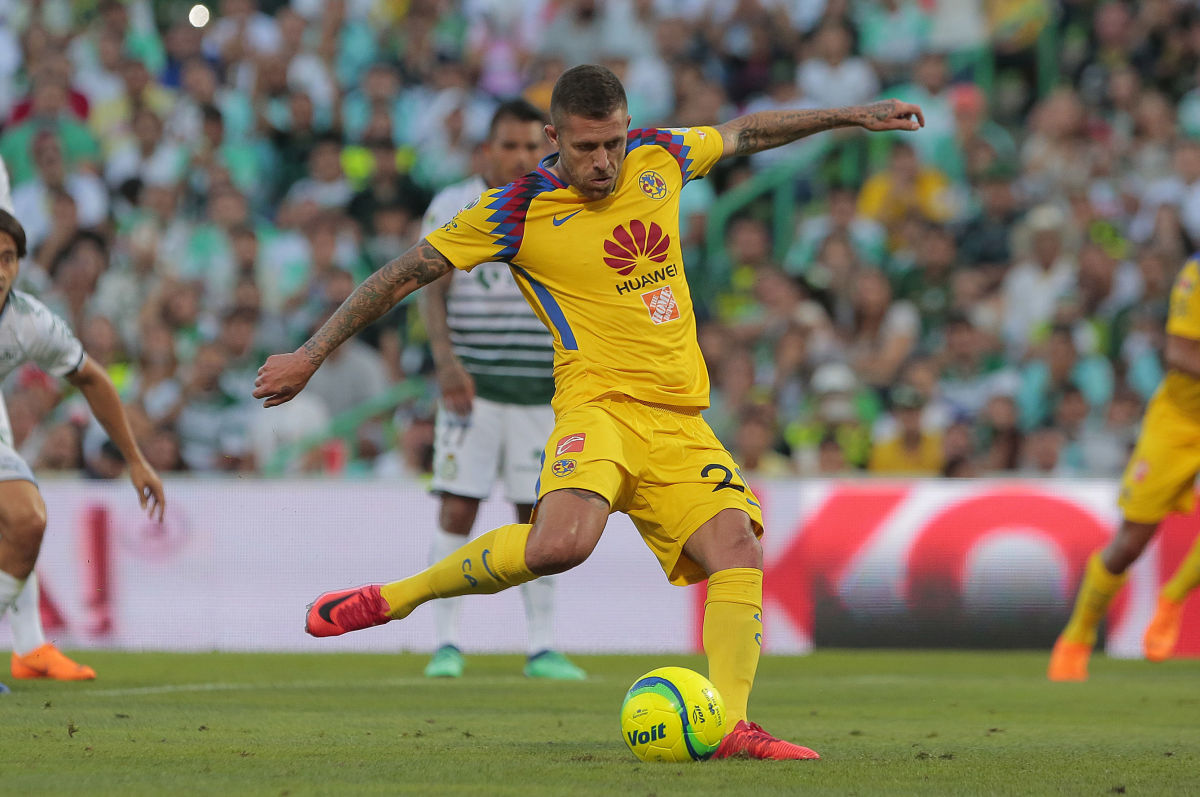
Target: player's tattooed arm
[(377, 294), (756, 132), (283, 376), (587, 495)]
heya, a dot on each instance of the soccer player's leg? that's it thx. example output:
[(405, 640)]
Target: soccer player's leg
[(485, 565), (1073, 648), (544, 661), (1158, 480), (1163, 631), (701, 520), (456, 516), (33, 656), (466, 460), (525, 429), (1174, 456), (22, 524), (569, 520)]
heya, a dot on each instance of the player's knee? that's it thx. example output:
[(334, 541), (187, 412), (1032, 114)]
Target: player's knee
[(549, 554), (744, 548), (725, 542), (456, 521), (1125, 548), (548, 560), (23, 528), (1121, 554)]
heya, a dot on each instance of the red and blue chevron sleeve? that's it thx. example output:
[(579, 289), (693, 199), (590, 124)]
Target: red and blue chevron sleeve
[(695, 149), (491, 229)]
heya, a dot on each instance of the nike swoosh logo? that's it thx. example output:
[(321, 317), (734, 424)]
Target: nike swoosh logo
[(486, 566), (328, 607), (559, 222)]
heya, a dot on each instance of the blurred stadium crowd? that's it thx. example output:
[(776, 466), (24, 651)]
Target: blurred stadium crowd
[(986, 296)]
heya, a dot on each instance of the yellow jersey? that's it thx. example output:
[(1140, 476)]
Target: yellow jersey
[(605, 276), (1184, 320)]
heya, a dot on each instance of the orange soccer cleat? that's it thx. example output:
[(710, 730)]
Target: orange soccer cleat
[(48, 661), (749, 740), (1163, 631), (335, 613), (1069, 661)]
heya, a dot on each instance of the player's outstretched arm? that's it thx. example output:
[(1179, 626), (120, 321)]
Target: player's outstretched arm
[(755, 132), (285, 375), (97, 388)]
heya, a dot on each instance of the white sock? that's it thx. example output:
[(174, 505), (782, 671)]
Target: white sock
[(10, 587), (539, 613), (26, 619), (446, 610)]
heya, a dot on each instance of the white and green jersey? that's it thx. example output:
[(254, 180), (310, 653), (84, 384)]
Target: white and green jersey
[(501, 343), (30, 333)]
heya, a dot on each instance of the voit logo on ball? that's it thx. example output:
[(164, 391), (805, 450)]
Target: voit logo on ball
[(637, 244)]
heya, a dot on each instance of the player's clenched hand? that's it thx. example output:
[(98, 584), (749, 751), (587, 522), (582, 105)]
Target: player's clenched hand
[(281, 377), (892, 115), (457, 388), (149, 488)]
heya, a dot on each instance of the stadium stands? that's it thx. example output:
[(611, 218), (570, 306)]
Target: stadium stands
[(994, 286)]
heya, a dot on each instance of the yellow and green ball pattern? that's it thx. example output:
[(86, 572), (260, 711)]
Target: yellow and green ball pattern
[(673, 714)]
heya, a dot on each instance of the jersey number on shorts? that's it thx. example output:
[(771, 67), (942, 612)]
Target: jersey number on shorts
[(727, 482)]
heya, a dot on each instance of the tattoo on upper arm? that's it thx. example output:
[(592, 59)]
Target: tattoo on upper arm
[(377, 294), (587, 495), (422, 263)]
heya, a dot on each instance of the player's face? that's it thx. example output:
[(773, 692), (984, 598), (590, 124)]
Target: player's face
[(10, 264), (514, 150), (591, 151)]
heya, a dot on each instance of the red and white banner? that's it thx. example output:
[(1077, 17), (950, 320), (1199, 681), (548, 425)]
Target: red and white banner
[(863, 563)]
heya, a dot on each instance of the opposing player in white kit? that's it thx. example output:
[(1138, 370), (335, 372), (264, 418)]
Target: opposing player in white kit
[(31, 333), (494, 362)]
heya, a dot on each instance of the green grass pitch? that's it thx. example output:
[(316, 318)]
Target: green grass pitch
[(886, 722)]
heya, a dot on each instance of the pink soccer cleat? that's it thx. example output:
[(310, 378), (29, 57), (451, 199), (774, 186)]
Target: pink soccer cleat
[(335, 613), (749, 740)]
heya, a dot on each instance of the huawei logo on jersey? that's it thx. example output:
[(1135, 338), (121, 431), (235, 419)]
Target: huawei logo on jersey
[(628, 246)]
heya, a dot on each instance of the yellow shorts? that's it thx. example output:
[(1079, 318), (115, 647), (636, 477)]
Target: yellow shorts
[(662, 466), (1161, 474)]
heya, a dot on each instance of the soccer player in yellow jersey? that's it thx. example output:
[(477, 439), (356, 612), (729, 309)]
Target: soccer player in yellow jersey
[(1158, 480), (592, 236)]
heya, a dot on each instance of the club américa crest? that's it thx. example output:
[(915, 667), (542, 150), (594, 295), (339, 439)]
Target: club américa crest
[(653, 185)]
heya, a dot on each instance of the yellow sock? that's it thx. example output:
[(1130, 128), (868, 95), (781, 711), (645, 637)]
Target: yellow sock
[(489, 563), (1187, 576), (733, 635), (1095, 593)]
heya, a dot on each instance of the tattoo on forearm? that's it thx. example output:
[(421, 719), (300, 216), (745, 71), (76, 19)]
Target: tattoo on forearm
[(879, 111), (767, 129), (377, 294)]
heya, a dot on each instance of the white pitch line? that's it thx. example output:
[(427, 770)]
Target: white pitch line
[(166, 689)]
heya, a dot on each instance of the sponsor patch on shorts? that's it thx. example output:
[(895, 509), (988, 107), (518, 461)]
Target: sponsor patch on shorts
[(570, 443)]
